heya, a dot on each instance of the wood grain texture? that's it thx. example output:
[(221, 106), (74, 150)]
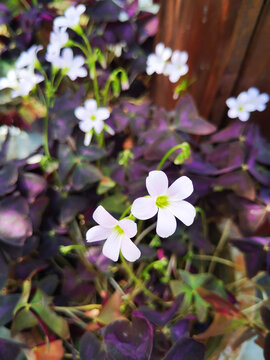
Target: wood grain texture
[(218, 35)]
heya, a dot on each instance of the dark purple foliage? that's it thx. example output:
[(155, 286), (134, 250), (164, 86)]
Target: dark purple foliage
[(124, 340), (186, 349), (89, 347)]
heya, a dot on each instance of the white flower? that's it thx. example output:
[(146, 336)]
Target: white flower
[(177, 67), (71, 17), (28, 58), (91, 117), (73, 65), (156, 62), (21, 81), (116, 233), (167, 202), (58, 37), (256, 99), (148, 6), (240, 107), (53, 55)]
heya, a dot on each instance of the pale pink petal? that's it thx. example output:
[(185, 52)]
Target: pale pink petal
[(129, 250), (233, 113), (97, 233), (60, 21), (102, 114), (98, 126), (91, 105), (104, 218), (144, 208), (253, 92), (88, 138), (86, 125), (181, 188), (184, 211), (166, 54), (129, 227), (157, 183), (243, 97), (81, 113), (231, 102), (166, 223), (159, 49), (244, 116), (111, 248)]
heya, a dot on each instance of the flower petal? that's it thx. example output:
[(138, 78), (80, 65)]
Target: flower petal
[(81, 113), (129, 227), (129, 250), (181, 188), (157, 183), (104, 218), (231, 102), (184, 211), (103, 114), (244, 115), (166, 223), (97, 233), (111, 248), (159, 49), (144, 208), (98, 126), (91, 105)]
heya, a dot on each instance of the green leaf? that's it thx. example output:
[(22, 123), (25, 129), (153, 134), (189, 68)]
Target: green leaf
[(155, 242), (40, 304), (179, 287), (193, 280), (24, 319), (201, 307), (23, 301), (105, 185), (116, 203)]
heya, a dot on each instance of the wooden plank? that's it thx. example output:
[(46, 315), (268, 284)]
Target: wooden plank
[(216, 34), (255, 69)]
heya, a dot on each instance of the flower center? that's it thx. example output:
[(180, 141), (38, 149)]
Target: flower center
[(119, 230), (93, 117), (241, 108), (162, 201)]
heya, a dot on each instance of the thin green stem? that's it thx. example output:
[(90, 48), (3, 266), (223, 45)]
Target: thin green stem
[(217, 259), (125, 212), (46, 132), (220, 245), (138, 282), (92, 66), (165, 157)]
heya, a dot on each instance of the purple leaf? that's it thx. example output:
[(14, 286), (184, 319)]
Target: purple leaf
[(7, 304), (180, 329), (186, 349), (15, 225), (124, 340), (31, 185), (238, 181), (231, 132), (8, 178), (4, 266), (161, 319), (89, 347), (188, 120)]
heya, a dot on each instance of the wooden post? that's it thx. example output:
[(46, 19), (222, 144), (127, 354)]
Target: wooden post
[(228, 44)]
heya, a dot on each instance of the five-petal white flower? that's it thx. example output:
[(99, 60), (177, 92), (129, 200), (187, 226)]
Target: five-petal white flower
[(239, 107), (246, 102), (257, 100), (72, 65), (167, 202), (156, 62), (28, 58), (71, 17), (177, 66), (91, 117), (116, 233)]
